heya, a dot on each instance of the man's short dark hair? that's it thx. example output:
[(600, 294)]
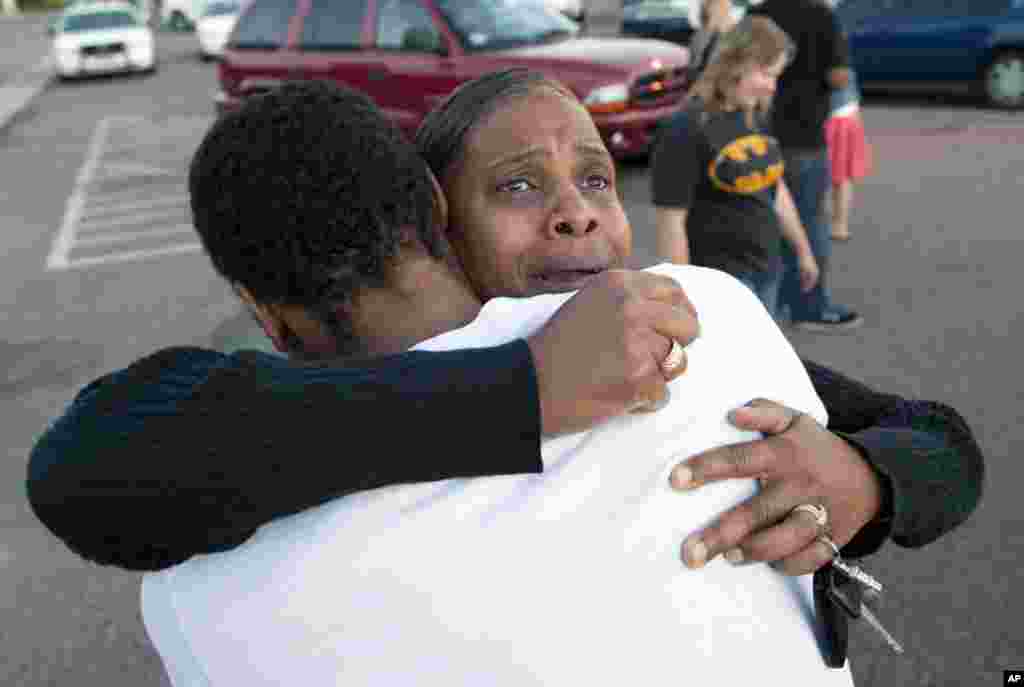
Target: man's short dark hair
[(301, 196)]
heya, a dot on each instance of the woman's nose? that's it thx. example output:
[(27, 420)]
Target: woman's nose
[(573, 216)]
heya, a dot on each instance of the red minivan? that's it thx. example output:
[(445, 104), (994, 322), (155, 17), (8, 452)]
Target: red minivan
[(409, 54)]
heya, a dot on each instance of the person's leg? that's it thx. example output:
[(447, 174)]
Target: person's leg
[(808, 178), (765, 286), (842, 201)]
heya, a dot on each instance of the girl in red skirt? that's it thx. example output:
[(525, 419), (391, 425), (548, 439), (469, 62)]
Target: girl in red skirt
[(849, 154)]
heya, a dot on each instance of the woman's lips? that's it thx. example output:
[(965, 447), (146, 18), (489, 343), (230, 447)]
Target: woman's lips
[(563, 279)]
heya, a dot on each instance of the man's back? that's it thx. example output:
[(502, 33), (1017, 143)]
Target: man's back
[(572, 576), (801, 103)]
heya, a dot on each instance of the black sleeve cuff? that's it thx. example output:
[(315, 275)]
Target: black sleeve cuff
[(873, 535)]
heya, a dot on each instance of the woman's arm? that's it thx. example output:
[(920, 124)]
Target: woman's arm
[(924, 451), (886, 467), (673, 246), (188, 451)]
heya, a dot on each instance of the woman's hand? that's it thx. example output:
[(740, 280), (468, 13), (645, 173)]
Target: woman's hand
[(809, 272), (798, 462)]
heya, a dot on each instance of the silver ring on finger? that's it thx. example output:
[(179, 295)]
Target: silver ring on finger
[(674, 358), (817, 511)]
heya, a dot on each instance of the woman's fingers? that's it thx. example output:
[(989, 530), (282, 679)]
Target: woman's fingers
[(786, 544), (799, 462)]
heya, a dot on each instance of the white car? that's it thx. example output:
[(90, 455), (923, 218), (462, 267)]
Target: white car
[(102, 38), (215, 26), (571, 8)]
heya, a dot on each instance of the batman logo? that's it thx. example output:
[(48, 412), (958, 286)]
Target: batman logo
[(747, 165)]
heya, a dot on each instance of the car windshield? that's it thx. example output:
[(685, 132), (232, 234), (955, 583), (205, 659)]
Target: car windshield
[(219, 9), (98, 21), (658, 8), (500, 24)]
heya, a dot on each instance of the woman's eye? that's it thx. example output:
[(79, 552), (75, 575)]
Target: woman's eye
[(597, 182), (515, 186)]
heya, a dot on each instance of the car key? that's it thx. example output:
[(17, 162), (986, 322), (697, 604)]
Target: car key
[(850, 593), (856, 573)]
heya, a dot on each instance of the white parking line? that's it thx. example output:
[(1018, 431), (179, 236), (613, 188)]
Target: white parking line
[(101, 208), (58, 258), (134, 256), (106, 239), (130, 190), (91, 226)]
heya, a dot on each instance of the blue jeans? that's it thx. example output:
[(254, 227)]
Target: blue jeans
[(808, 178), (765, 286)]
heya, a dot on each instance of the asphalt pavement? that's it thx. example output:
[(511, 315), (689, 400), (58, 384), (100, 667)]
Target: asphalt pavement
[(934, 266), (25, 65)]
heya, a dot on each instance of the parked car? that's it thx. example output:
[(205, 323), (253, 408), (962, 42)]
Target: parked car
[(181, 15), (102, 37), (963, 45), (140, 6), (215, 26), (570, 8), (409, 54), (669, 20)]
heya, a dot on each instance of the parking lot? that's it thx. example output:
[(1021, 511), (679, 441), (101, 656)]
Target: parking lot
[(101, 266)]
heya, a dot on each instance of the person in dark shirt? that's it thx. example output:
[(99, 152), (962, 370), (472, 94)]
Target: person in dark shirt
[(189, 451), (800, 108), (717, 178)]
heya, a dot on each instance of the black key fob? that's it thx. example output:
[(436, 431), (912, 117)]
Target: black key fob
[(835, 621)]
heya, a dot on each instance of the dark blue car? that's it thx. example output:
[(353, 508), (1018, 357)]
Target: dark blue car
[(667, 20), (975, 45)]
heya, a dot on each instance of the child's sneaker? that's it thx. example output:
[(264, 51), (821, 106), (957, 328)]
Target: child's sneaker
[(831, 321)]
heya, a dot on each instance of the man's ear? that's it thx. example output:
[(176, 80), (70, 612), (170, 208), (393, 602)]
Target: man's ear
[(271, 321), (440, 202)]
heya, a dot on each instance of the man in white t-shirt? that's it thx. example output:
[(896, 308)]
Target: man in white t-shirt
[(571, 576)]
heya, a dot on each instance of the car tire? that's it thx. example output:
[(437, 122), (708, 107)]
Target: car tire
[(1003, 80)]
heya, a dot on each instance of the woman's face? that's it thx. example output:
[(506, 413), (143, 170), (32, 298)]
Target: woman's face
[(757, 83), (533, 206)]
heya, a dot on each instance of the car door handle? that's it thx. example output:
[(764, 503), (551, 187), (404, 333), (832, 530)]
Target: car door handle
[(377, 74)]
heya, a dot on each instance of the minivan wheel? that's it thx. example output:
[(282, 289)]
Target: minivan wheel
[(1004, 80)]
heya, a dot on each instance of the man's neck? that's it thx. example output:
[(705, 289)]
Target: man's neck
[(426, 299)]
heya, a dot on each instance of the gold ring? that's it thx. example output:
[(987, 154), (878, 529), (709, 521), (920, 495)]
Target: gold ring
[(819, 512), (674, 358)]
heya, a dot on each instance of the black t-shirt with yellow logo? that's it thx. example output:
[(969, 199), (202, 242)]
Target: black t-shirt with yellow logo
[(725, 173)]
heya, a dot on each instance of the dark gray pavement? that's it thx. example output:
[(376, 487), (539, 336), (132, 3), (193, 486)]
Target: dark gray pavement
[(934, 265)]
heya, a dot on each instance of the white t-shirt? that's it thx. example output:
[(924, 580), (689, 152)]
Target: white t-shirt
[(570, 577)]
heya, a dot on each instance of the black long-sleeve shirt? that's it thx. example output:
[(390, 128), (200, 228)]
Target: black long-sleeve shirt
[(189, 451)]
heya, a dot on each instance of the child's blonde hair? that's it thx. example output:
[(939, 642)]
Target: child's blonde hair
[(756, 41)]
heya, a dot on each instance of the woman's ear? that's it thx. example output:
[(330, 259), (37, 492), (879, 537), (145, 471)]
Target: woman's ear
[(271, 321)]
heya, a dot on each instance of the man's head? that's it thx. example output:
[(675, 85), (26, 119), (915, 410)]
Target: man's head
[(303, 199)]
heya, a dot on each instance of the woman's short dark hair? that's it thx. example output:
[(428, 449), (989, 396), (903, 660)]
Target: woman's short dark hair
[(441, 138), (302, 194)]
